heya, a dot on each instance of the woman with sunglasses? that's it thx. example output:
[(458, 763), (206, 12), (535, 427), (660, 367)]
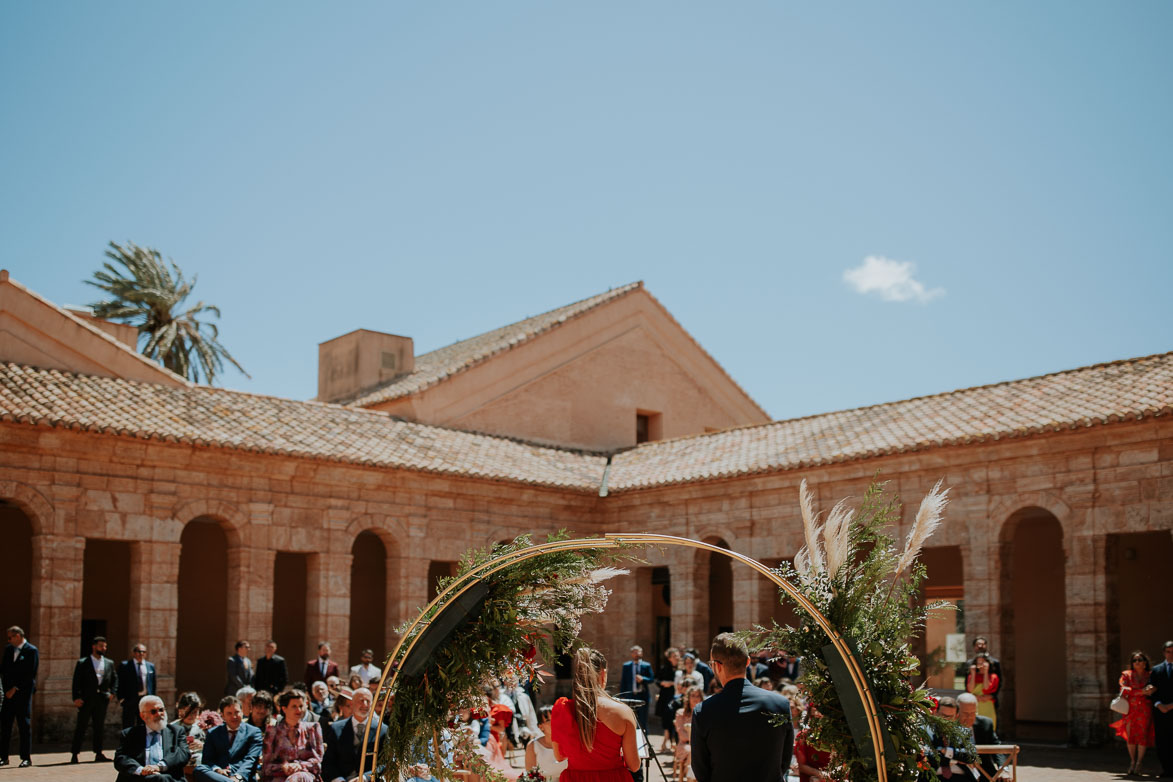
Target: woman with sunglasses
[(1136, 727)]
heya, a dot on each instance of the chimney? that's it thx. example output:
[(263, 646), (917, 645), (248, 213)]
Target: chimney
[(360, 361)]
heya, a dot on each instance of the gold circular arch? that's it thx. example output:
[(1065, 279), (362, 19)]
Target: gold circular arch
[(615, 540)]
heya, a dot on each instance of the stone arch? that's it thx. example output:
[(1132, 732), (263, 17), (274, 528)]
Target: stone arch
[(391, 533), (227, 515), (714, 573), (35, 506), (1004, 510)]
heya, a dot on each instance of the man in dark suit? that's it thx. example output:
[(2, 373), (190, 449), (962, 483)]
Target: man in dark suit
[(152, 749), (321, 668), (734, 735), (18, 671), (982, 729), (702, 667), (948, 757), (341, 758), (93, 689), (136, 679), (232, 750), (1162, 681), (240, 669), (272, 675), (634, 683)]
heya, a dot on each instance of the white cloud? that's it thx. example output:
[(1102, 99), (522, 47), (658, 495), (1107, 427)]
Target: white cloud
[(892, 280)]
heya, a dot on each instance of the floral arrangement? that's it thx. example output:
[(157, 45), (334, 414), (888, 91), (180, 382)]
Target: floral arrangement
[(525, 610), (868, 587), (209, 719), (532, 775)]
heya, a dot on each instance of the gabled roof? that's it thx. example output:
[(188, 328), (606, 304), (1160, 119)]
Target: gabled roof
[(1130, 389), (201, 415), (438, 365)]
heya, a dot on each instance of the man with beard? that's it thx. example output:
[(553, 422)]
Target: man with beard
[(153, 749), (93, 689), (345, 737), (320, 668)]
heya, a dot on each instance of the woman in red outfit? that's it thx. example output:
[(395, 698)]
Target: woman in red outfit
[(1136, 727), (812, 763), (592, 731)]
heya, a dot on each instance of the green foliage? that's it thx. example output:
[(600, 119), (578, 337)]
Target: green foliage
[(880, 612), (146, 294), (533, 608)]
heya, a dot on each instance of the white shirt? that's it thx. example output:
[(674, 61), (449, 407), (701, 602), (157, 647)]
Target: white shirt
[(16, 650), (98, 665), (368, 673)]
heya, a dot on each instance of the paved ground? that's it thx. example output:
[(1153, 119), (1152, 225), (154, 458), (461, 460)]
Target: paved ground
[(1038, 764)]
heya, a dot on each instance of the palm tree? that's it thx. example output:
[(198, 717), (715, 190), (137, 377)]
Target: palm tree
[(145, 293)]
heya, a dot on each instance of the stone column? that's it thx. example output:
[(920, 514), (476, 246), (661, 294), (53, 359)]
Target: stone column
[(690, 606), (328, 605), (250, 598), (748, 588), (58, 562), (154, 607), (1087, 638)]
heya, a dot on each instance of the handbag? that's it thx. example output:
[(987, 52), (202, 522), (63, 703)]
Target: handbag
[(1119, 704)]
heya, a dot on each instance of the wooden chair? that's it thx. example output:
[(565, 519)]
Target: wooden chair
[(1011, 761)]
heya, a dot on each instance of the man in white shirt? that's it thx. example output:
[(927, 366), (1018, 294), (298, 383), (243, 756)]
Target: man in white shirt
[(341, 759), (93, 689), (152, 748), (366, 670)]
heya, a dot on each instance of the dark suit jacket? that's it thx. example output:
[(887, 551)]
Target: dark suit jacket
[(132, 753), (86, 683), (238, 675), (627, 680), (128, 682), (341, 756), (734, 740), (983, 733), (1162, 679), (271, 675), (314, 674), (20, 673), (966, 755), (242, 758)]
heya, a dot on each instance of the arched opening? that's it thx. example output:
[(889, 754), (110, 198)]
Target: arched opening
[(16, 577), (368, 595), (201, 643), (1034, 627), (720, 593)]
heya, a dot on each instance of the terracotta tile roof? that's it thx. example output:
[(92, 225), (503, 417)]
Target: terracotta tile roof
[(436, 366), (1104, 393), (232, 419)]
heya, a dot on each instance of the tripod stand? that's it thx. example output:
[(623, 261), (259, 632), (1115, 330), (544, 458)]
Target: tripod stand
[(636, 704)]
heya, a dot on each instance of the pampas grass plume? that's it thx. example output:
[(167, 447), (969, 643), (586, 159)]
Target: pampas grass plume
[(928, 518)]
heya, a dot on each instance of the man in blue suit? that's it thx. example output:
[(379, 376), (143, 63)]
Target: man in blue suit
[(734, 735), (633, 683), (1162, 681), (136, 680), (18, 671), (232, 750), (341, 758)]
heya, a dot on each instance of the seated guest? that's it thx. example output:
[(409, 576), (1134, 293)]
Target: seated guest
[(293, 748), (260, 716), (320, 698), (343, 704), (946, 758), (151, 749), (245, 696), (981, 728), (232, 750), (187, 711), (342, 756)]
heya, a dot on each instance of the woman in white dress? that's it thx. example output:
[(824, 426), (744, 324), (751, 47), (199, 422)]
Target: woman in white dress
[(539, 753)]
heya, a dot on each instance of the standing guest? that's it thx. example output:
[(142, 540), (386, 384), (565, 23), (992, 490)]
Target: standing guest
[(593, 732), (666, 681), (689, 675), (366, 669), (539, 753), (293, 748), (240, 669), (261, 711), (1136, 727), (232, 749), (1162, 682), (271, 674), (341, 759), (151, 748), (984, 684), (982, 646), (635, 681), (525, 726), (733, 737), (93, 689), (321, 667), (682, 759), (187, 712), (18, 671), (136, 679)]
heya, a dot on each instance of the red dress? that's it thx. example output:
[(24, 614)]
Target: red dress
[(809, 756), (603, 762), (1136, 727)]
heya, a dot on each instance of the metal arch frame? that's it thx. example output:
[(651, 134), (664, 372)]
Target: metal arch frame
[(615, 540)]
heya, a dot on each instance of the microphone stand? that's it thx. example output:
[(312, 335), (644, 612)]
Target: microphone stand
[(636, 704)]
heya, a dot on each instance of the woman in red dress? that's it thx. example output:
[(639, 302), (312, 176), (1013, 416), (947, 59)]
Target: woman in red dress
[(1136, 727), (592, 731), (812, 763)]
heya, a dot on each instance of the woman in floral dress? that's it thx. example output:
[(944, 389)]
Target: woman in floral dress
[(293, 748), (1136, 727)]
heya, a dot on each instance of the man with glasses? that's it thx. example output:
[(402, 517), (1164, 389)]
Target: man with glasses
[(1162, 681), (136, 679), (152, 748)]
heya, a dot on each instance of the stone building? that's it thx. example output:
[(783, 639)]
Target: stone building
[(141, 506)]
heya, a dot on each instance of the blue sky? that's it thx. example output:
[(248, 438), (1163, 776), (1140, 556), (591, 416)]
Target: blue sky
[(440, 169)]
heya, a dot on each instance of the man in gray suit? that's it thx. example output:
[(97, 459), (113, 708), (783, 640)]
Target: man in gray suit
[(240, 669)]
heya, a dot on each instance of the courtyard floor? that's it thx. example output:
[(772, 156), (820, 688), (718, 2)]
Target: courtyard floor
[(1038, 763)]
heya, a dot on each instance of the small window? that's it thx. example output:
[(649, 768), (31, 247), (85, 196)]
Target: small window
[(647, 426), (641, 428)]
